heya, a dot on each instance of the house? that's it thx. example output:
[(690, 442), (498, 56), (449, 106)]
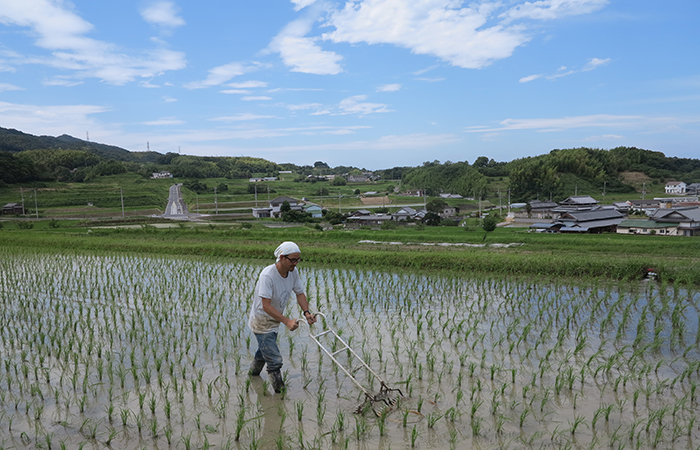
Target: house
[(371, 219), (361, 212), (314, 210), (403, 214), (260, 213), (676, 202), (13, 208), (623, 207), (414, 193), (587, 221), (163, 174), (675, 187), (693, 189), (645, 226), (643, 205), (593, 221), (449, 211), (276, 204), (579, 202), (686, 220), (542, 210), (450, 196)]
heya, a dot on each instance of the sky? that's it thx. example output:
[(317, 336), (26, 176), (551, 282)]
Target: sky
[(373, 84)]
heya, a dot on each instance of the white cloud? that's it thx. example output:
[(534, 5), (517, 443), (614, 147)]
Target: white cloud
[(163, 14), (439, 28), (235, 91), (301, 4), (389, 87), (58, 29), (248, 84), (220, 75), (529, 78), (355, 105), (241, 118), (9, 87), (52, 120), (256, 98), (304, 106), (552, 9), (165, 121), (589, 121), (564, 71), (594, 63), (169, 99), (302, 53)]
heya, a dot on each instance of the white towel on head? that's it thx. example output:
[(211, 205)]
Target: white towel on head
[(286, 248)]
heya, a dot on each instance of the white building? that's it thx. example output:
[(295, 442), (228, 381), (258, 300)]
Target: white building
[(675, 187)]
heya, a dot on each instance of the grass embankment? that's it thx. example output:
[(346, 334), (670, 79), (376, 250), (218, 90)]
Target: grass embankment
[(602, 256)]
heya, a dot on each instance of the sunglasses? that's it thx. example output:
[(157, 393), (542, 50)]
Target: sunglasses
[(292, 260)]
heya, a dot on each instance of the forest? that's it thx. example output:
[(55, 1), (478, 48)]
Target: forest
[(30, 159)]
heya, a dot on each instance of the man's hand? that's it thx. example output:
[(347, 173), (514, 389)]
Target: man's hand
[(292, 324), (310, 318)]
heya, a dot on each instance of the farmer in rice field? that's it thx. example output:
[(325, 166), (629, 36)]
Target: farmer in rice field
[(272, 292)]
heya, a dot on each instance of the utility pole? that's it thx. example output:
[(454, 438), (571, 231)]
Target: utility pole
[(216, 203), (508, 200), (36, 205), (196, 197), (121, 193), (575, 190), (644, 190), (21, 192), (499, 202), (256, 194), (339, 211), (604, 185), (480, 217)]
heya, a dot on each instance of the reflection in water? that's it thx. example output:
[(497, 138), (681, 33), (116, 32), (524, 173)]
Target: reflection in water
[(136, 352)]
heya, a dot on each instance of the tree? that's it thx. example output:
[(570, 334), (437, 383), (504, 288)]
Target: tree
[(285, 207), (489, 223), (296, 216), (432, 219), (436, 206), (339, 181)]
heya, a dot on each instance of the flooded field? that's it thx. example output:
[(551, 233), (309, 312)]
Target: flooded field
[(136, 352)]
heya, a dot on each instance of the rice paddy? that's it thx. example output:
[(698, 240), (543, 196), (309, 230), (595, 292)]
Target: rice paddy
[(135, 352)]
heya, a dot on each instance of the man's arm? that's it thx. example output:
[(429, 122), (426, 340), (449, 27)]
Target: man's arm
[(291, 324), (304, 305)]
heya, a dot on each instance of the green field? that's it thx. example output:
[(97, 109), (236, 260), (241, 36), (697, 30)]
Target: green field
[(102, 198), (414, 248)]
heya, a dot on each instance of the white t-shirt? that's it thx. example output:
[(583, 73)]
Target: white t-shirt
[(279, 290)]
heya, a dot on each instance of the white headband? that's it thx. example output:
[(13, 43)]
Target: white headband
[(286, 248)]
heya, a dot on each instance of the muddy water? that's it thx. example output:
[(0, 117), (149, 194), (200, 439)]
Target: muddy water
[(136, 352)]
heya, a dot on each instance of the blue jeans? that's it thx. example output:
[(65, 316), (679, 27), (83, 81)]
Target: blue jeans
[(268, 351)]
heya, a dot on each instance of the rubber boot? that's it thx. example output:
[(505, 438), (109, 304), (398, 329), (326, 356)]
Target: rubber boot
[(277, 381), (256, 367)]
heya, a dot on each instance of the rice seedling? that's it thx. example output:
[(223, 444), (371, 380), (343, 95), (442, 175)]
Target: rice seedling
[(131, 339)]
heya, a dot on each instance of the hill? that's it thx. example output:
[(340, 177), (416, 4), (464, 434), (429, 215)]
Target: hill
[(15, 141), (554, 175)]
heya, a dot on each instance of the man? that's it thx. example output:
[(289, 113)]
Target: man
[(276, 284)]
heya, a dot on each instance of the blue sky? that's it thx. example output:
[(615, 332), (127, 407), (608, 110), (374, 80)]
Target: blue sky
[(367, 83)]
